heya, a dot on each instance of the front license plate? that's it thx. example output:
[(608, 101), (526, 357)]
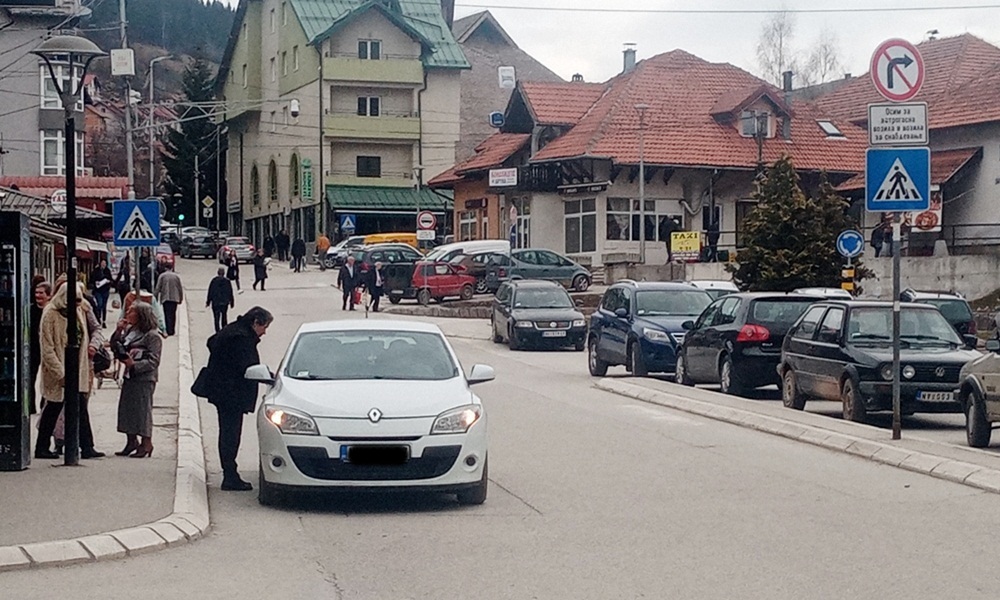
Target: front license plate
[(399, 292), (553, 334), (936, 396), (375, 455)]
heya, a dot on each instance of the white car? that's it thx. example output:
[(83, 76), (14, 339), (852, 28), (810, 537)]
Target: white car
[(371, 405), (828, 293), (715, 288)]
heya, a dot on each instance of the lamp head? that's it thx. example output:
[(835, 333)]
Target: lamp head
[(80, 49)]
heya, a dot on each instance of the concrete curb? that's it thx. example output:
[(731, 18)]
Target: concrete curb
[(465, 312), (188, 522), (976, 476)]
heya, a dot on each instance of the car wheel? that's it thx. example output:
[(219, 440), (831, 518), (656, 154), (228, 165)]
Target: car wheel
[(424, 297), (581, 283), (680, 371), (728, 382), (512, 341), (467, 292), (791, 397), (854, 408), (476, 495), (580, 345), (497, 338), (636, 361), (977, 427), (394, 299), (598, 368), (267, 494), (482, 287)]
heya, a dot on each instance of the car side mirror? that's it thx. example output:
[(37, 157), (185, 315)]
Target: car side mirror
[(260, 374), (687, 325), (621, 313), (578, 302), (993, 346), (971, 341), (481, 374)]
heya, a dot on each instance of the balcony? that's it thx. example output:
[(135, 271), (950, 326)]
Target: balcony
[(388, 126), (387, 180), (388, 70)]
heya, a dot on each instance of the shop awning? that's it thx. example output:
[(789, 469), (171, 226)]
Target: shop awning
[(386, 200)]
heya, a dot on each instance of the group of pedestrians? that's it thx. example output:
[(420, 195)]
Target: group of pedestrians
[(352, 281)]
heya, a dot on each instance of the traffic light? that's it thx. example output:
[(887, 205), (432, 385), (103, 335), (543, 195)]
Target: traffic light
[(180, 217)]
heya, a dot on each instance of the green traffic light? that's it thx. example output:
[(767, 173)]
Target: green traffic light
[(180, 217)]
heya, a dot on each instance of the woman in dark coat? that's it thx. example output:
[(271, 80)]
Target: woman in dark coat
[(233, 269), (138, 345), (259, 270), (268, 246), (231, 351)]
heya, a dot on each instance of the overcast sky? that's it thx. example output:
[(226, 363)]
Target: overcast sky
[(590, 43)]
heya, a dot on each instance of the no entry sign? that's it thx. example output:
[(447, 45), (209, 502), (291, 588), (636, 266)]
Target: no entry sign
[(897, 70), (426, 220)]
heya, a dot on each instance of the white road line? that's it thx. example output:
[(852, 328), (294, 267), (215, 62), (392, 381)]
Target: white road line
[(659, 415)]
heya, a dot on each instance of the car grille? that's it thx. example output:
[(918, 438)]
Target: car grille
[(316, 463), (929, 373), (553, 324)]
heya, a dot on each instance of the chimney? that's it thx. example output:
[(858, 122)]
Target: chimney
[(577, 78), (629, 53), (786, 122), (847, 75), (448, 12)]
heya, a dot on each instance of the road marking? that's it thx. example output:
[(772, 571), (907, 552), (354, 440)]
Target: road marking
[(659, 415)]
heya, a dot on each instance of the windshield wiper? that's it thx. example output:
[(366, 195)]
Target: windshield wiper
[(311, 377), (870, 336)]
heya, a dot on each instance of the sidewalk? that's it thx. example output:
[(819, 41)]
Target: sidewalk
[(52, 513)]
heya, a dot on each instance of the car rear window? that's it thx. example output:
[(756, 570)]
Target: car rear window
[(777, 314), (954, 310)]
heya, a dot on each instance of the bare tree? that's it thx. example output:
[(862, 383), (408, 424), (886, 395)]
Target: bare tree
[(823, 63), (774, 46)]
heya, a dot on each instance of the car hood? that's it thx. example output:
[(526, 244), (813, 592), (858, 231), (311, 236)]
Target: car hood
[(668, 323), (352, 399), (920, 355), (546, 314)]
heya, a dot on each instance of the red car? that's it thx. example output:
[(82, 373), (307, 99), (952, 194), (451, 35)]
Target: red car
[(164, 256), (439, 280)]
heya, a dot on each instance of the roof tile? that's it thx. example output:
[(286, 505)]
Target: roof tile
[(491, 153), (560, 103)]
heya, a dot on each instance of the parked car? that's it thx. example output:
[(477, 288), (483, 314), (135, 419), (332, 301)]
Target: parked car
[(842, 351), (979, 395), (398, 263), (371, 405), (477, 263), (337, 254), (538, 263), (640, 325), (240, 245), (171, 239), (193, 231), (954, 308), (736, 342), (531, 312), (447, 252), (437, 281), (716, 288), (825, 292), (198, 245)]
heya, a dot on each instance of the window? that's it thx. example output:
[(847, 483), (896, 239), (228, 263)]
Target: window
[(244, 76), (753, 122), (369, 166), (284, 115), (809, 323), (284, 14), (581, 225), (706, 216), (619, 218), (623, 216), (708, 314), (284, 63), (274, 71), (255, 186), (484, 224), (830, 129), (467, 225), (369, 49), (829, 330), (273, 123), (272, 20), (272, 182), (614, 299), (50, 97), (53, 158), (293, 176), (295, 58), (523, 222), (727, 312), (369, 106)]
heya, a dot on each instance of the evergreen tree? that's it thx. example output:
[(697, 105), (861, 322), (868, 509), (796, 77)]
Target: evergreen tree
[(790, 239), (194, 137)]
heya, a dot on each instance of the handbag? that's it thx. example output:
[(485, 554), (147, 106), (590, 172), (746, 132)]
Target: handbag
[(202, 385), (102, 360)]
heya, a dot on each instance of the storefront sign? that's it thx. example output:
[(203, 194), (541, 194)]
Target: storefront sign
[(685, 245), (928, 221), (503, 177), (475, 203), (307, 179)]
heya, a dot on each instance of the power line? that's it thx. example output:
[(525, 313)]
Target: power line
[(732, 11)]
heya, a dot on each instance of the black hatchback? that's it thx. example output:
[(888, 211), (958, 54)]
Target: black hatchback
[(842, 351), (529, 311), (736, 341)]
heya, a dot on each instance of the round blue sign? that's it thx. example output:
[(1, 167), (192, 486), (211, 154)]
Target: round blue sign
[(497, 119), (850, 243)]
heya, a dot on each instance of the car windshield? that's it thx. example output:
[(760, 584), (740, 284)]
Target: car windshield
[(777, 314), (164, 249), (542, 298), (953, 309), (339, 355), (874, 325), (671, 302)]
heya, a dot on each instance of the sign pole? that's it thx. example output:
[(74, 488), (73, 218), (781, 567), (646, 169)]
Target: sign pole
[(896, 409)]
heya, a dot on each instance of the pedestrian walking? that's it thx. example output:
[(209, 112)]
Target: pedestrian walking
[(100, 286), (282, 243), (713, 241), (53, 344), (233, 269), (322, 245), (259, 270), (42, 293), (231, 351), (137, 344), (123, 282), (268, 246), (298, 254), (348, 279), (877, 239), (220, 298), (667, 227), (376, 284), (170, 293)]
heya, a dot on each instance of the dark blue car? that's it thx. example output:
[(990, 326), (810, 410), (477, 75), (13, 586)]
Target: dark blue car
[(640, 325)]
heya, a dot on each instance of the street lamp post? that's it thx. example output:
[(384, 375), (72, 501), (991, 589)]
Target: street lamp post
[(152, 119), (642, 108), (75, 50)]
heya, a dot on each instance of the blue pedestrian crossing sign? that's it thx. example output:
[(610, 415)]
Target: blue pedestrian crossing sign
[(850, 243), (348, 223), (898, 179), (136, 223)]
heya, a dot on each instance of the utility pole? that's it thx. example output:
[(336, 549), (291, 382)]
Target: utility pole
[(218, 185), (197, 191), (122, 24)]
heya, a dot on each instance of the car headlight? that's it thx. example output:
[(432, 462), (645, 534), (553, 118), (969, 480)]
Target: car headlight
[(580, 323), (524, 324), (909, 371), (291, 421), (655, 335), (886, 372), (457, 420)]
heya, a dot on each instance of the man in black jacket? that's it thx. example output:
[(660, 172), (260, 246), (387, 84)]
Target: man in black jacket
[(220, 298), (231, 351), (348, 279), (298, 254)]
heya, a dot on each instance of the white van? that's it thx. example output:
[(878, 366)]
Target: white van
[(449, 251)]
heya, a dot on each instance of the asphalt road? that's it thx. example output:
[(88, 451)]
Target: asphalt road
[(592, 496)]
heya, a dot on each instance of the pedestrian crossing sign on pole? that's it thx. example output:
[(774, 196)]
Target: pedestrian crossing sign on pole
[(136, 223), (898, 179)]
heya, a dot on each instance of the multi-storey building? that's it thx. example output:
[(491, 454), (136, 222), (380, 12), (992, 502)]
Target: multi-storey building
[(350, 102)]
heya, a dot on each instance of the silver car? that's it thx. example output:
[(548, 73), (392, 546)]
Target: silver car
[(241, 246)]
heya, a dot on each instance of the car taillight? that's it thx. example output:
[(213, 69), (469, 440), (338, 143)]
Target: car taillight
[(251, 248), (226, 248), (753, 333)]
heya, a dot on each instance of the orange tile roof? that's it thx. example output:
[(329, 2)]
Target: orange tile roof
[(560, 103), (682, 91), (491, 153), (87, 188), (950, 63), (945, 164), (978, 101)]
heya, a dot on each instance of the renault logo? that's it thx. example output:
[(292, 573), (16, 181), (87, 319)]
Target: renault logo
[(939, 371), (374, 415)]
